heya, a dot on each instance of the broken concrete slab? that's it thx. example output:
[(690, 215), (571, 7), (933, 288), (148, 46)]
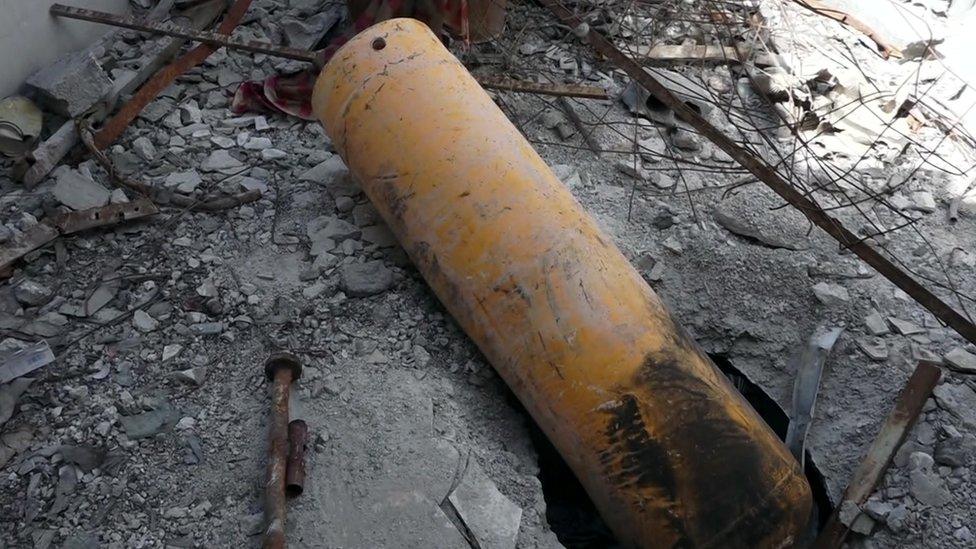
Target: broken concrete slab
[(332, 228), (365, 279), (490, 516), (961, 360), (184, 182), (219, 161), (831, 295), (78, 192), (150, 423), (325, 172), (72, 85)]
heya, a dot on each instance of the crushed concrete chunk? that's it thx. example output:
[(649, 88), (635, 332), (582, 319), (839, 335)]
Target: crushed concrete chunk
[(143, 322), (32, 294), (491, 517), (72, 85), (148, 424), (79, 192), (220, 160), (831, 295), (326, 171), (365, 279), (961, 360), (144, 148), (926, 486), (876, 324), (332, 228), (959, 400), (184, 182), (923, 201), (875, 348), (905, 327)]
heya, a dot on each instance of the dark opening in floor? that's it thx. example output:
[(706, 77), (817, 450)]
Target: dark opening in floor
[(776, 418), (572, 515)]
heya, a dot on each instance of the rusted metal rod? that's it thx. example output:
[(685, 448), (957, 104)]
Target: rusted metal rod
[(114, 127), (295, 474), (220, 39), (177, 31), (882, 450), (768, 175), (547, 88), (281, 369)]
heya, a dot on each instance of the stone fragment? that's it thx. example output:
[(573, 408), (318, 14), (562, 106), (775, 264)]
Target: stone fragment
[(151, 423), (876, 324), (831, 295), (955, 451), (72, 85), (305, 33), (959, 400), (344, 204), (220, 160), (686, 140), (207, 328), (207, 289), (751, 230), (326, 171), (365, 279), (875, 348), (118, 197), (490, 516), (923, 201), (78, 191), (332, 228), (143, 322), (257, 144), (171, 351), (184, 182), (673, 245), (961, 360), (273, 154), (144, 149), (32, 294), (925, 484), (905, 327), (190, 113), (190, 376)]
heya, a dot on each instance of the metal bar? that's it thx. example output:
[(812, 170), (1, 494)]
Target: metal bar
[(282, 369), (220, 39), (574, 117), (768, 175), (168, 29), (882, 450), (809, 370), (295, 472), (558, 90), (73, 222), (162, 79)]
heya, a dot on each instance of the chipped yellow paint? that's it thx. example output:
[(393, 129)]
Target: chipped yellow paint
[(668, 450)]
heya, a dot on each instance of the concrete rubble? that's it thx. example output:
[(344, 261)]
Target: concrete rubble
[(148, 429)]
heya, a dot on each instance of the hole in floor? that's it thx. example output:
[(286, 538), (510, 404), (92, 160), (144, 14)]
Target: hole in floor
[(572, 515)]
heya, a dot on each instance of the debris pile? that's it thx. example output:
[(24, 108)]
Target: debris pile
[(152, 256)]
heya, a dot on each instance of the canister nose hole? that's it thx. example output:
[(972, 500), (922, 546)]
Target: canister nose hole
[(379, 44)]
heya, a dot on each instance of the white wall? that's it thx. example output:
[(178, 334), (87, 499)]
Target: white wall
[(31, 38)]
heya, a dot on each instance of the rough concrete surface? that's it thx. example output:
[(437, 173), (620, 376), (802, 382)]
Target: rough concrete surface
[(149, 430)]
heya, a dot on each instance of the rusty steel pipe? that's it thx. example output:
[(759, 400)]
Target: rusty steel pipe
[(281, 369), (667, 449), (295, 472)]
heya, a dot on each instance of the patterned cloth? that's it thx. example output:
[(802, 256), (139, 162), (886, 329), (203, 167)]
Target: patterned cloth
[(292, 93)]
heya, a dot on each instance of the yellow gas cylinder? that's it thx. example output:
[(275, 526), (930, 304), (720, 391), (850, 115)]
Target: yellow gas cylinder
[(667, 449)]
